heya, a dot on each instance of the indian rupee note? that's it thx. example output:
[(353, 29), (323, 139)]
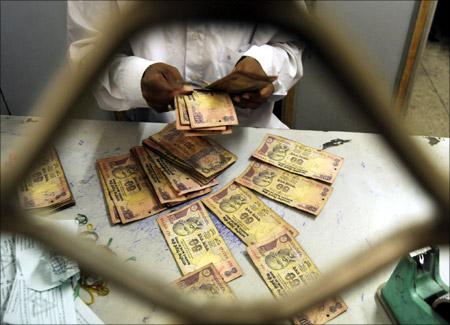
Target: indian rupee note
[(161, 185), (245, 214), (298, 158), (181, 181), (210, 109), (46, 187), (285, 267), (129, 189), (195, 242), (294, 190), (206, 282), (203, 155), (112, 211)]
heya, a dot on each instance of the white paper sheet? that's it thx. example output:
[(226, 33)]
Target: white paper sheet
[(28, 306), (85, 315), (7, 268), (43, 269)]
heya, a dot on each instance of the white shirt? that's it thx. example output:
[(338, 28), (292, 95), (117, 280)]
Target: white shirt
[(200, 51)]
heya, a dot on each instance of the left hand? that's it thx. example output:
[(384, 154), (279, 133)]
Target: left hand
[(256, 98)]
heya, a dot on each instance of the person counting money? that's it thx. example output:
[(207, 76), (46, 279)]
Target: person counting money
[(155, 66)]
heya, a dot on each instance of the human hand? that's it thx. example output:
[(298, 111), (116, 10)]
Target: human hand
[(160, 83), (252, 99)]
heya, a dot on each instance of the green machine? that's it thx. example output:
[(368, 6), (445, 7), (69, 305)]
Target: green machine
[(415, 292)]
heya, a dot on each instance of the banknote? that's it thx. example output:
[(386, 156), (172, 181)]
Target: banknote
[(182, 121), (195, 242), (205, 281), (245, 214), (46, 188), (161, 185), (298, 158), (285, 266), (240, 81), (181, 182), (129, 189), (202, 133), (291, 189), (202, 155), (111, 208), (206, 109)]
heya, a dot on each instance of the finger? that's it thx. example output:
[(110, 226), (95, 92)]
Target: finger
[(160, 108), (173, 77), (267, 91), (159, 82), (253, 96)]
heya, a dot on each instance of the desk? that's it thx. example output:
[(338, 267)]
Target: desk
[(372, 197)]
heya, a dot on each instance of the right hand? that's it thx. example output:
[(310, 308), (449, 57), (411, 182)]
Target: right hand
[(160, 83)]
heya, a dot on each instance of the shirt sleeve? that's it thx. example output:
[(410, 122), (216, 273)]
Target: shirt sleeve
[(119, 86)]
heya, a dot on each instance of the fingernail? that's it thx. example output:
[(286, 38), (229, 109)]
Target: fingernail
[(246, 96), (237, 99)]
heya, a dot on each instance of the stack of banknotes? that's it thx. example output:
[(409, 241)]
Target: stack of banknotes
[(205, 113), (168, 169), (292, 173), (46, 188), (209, 110)]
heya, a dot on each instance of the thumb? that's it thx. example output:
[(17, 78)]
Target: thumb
[(267, 91)]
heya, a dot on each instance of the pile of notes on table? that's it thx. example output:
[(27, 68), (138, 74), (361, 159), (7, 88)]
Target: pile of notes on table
[(202, 255), (210, 111), (46, 189), (168, 169)]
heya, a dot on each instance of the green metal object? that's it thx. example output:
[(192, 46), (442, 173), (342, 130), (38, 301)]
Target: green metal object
[(414, 292)]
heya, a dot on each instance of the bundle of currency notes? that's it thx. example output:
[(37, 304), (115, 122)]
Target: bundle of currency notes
[(167, 170), (283, 170), (204, 113), (46, 188), (209, 110)]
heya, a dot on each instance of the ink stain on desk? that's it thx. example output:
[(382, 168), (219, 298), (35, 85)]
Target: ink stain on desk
[(30, 120), (433, 141), (363, 164), (334, 143), (80, 143), (86, 181)]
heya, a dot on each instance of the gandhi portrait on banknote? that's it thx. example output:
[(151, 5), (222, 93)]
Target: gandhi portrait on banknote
[(122, 172), (278, 152), (264, 178), (233, 203), (188, 226), (281, 259)]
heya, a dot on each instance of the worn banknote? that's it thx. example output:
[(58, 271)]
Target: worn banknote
[(112, 210), (181, 182), (161, 185), (298, 158), (195, 241), (206, 282), (240, 81), (128, 187), (246, 215), (285, 267), (46, 187), (294, 190), (210, 109), (203, 155)]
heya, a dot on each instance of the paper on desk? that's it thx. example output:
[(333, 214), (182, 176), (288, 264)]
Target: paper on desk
[(7, 267), (85, 315), (43, 269), (28, 306)]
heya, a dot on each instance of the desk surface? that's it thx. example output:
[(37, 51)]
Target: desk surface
[(372, 197)]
